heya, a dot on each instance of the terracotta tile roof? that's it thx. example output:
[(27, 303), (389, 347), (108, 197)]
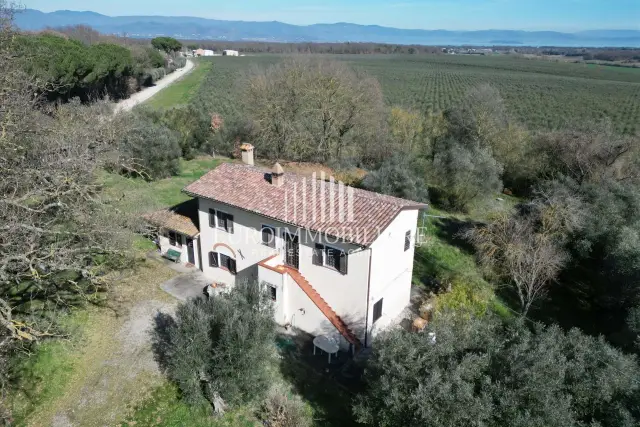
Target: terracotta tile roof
[(182, 218), (364, 216)]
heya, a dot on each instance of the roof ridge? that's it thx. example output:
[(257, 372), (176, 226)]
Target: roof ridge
[(361, 192), (357, 216)]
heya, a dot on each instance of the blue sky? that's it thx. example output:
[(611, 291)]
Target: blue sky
[(560, 15)]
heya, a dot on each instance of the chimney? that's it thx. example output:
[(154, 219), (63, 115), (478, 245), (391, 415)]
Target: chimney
[(247, 154), (277, 175)]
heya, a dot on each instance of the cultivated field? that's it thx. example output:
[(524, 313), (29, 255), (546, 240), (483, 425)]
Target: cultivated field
[(540, 94)]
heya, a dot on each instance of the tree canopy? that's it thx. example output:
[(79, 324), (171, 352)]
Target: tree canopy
[(309, 109), (483, 372), (167, 44), (218, 351)]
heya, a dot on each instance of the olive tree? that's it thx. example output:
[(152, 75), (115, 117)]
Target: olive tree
[(465, 173), (151, 149), (483, 372), (397, 177), (219, 350)]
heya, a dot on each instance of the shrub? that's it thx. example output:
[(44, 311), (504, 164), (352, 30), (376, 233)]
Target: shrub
[(396, 177), (153, 149), (220, 350), (179, 61), (281, 409), (465, 173)]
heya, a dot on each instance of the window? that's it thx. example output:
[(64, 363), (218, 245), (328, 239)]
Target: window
[(228, 263), (273, 292), (268, 236), (407, 241), (212, 218), (213, 259), (318, 258), (330, 257), (377, 310), (221, 220), (175, 239)]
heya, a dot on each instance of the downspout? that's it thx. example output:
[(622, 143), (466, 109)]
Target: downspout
[(366, 322)]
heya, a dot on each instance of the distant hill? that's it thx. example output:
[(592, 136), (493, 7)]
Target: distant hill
[(213, 29)]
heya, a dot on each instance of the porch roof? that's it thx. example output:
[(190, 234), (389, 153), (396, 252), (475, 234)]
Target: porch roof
[(182, 218)]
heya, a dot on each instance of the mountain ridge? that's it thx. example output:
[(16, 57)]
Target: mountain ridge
[(189, 27)]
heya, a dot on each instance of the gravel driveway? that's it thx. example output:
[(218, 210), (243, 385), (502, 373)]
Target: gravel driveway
[(145, 94)]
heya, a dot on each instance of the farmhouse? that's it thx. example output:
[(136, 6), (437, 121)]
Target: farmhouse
[(203, 52), (230, 53), (335, 260)]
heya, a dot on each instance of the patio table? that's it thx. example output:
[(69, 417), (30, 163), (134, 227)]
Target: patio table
[(327, 344)]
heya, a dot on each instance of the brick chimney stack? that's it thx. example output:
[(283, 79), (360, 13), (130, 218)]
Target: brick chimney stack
[(247, 154), (277, 175)]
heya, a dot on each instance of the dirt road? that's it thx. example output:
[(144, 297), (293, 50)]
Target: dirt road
[(145, 94)]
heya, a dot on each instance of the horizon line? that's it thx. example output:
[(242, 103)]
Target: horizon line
[(338, 23)]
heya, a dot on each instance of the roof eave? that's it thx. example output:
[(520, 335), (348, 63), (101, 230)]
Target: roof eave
[(362, 245)]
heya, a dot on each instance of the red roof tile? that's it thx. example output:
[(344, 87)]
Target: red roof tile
[(303, 202), (182, 218)]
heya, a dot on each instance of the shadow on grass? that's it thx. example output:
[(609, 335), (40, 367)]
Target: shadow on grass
[(319, 383), (451, 231), (161, 339)]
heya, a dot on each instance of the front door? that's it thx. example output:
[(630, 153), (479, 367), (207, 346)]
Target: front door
[(292, 247), (190, 251)]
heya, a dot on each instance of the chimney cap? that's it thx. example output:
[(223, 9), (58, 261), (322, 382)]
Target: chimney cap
[(246, 147), (277, 169)]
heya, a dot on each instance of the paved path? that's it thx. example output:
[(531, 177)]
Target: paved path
[(186, 286), (140, 97)]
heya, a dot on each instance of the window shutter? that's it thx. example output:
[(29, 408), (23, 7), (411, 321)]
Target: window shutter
[(232, 265), (330, 257), (317, 254), (172, 238), (212, 218), (230, 224), (213, 259), (377, 310), (407, 240), (343, 262)]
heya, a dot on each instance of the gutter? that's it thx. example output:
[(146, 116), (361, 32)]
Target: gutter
[(366, 322)]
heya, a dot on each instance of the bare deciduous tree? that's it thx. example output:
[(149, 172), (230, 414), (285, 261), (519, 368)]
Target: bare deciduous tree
[(309, 109), (525, 256), (53, 217), (591, 153)]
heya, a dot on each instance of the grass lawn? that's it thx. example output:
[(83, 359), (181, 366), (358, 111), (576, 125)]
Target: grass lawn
[(165, 409), (444, 256), (94, 377), (182, 91), (161, 193)]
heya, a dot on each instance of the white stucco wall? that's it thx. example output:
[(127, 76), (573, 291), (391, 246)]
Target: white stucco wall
[(346, 294), (165, 245), (391, 270), (278, 281)]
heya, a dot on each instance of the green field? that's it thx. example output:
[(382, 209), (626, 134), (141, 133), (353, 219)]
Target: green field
[(540, 94), (183, 90)]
